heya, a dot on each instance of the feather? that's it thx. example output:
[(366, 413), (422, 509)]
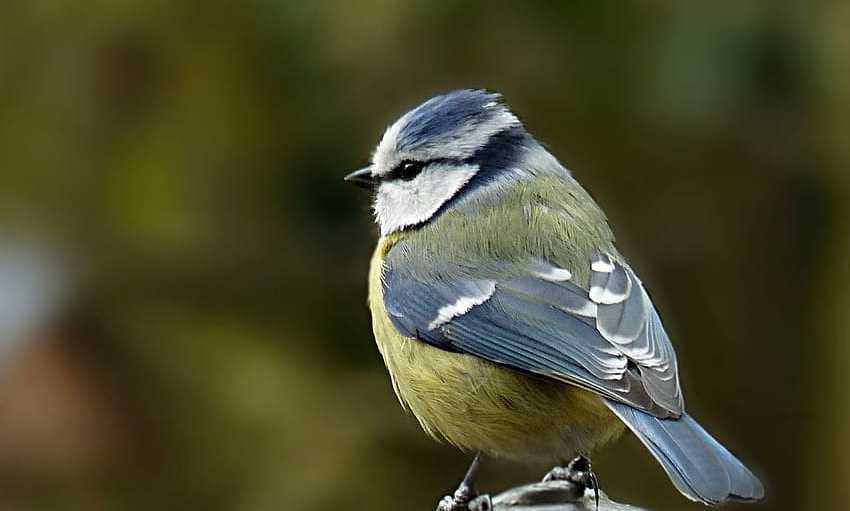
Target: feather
[(701, 468), (535, 324)]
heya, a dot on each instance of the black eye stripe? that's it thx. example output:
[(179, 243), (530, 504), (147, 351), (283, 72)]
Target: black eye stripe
[(409, 169)]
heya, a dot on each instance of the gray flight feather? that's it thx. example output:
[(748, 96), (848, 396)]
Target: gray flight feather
[(627, 318), (701, 468)]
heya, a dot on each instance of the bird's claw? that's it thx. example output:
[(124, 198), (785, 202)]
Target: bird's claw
[(557, 474), (578, 471), (459, 501), (462, 499)]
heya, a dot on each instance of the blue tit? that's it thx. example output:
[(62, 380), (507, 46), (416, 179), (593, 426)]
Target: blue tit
[(509, 322)]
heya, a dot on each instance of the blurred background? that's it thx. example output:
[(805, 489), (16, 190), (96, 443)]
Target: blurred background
[(183, 319)]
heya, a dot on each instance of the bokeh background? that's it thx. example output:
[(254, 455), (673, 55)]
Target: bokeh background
[(182, 271)]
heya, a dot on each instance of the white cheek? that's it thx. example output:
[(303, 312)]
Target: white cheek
[(400, 204)]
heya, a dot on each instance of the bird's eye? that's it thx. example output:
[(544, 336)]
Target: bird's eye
[(408, 170)]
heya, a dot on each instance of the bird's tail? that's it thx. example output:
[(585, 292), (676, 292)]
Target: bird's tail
[(701, 468)]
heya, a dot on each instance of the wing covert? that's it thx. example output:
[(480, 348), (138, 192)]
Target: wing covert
[(531, 317)]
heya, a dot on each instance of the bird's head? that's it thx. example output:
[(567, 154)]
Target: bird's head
[(441, 150)]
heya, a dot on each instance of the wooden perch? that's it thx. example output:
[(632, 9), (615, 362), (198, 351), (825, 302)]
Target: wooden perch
[(548, 496), (569, 488)]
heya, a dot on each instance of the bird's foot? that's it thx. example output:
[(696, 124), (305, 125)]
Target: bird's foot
[(459, 501), (578, 471), (465, 493)]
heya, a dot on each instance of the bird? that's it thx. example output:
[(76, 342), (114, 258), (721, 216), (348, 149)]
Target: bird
[(510, 324)]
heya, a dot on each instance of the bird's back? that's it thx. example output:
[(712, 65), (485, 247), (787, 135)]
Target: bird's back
[(547, 217)]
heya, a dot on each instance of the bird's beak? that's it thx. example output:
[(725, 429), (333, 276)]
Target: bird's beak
[(362, 178)]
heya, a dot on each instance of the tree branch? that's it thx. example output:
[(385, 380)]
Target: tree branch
[(548, 496)]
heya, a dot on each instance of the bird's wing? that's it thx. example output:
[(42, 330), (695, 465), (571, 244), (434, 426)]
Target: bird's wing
[(608, 339)]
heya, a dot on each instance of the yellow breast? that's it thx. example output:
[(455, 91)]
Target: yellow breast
[(480, 406)]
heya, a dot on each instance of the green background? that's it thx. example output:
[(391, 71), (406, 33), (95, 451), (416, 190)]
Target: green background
[(213, 350)]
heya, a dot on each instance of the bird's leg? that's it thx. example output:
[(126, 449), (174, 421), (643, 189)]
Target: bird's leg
[(465, 492), (578, 471)]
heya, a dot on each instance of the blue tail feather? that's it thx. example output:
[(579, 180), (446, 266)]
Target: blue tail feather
[(701, 468)]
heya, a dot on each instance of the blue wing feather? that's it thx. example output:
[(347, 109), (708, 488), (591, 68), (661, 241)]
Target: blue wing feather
[(526, 323)]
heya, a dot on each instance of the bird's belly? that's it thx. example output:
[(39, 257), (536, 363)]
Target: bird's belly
[(480, 406)]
